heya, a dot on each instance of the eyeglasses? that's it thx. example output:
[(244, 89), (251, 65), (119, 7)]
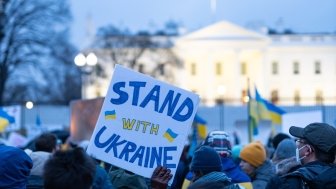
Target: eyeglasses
[(298, 140)]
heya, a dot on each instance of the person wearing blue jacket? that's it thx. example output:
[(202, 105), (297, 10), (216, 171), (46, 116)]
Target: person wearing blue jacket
[(219, 141)]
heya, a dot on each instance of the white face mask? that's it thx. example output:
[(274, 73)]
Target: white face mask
[(297, 154)]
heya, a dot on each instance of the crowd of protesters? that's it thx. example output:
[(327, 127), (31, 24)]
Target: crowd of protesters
[(306, 159)]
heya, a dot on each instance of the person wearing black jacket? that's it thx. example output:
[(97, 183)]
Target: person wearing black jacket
[(316, 145)]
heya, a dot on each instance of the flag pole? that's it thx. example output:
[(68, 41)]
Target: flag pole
[(249, 121)]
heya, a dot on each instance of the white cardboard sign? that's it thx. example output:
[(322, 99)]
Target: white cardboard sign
[(143, 123), (300, 119)]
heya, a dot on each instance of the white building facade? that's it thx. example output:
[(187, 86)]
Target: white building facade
[(220, 59)]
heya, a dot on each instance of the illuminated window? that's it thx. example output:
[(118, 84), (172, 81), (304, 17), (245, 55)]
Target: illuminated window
[(243, 68), (218, 68), (319, 97), (193, 69), (274, 96), (244, 96), (297, 98)]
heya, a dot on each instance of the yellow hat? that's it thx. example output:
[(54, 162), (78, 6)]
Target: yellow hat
[(253, 153)]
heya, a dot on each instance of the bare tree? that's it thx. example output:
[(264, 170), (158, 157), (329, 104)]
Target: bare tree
[(36, 56), (137, 50)]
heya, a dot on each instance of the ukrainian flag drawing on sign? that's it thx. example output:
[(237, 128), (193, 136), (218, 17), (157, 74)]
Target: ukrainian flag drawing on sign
[(5, 120), (170, 135), (110, 115)]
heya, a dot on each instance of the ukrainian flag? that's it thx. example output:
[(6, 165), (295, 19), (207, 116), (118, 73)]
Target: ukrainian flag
[(170, 135), (261, 109), (110, 115), (5, 120), (201, 126), (267, 110)]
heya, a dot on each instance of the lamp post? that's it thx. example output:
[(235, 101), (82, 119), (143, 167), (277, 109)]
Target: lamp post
[(221, 90), (85, 63)]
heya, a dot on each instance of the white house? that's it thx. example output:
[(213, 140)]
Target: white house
[(287, 69), (220, 59)]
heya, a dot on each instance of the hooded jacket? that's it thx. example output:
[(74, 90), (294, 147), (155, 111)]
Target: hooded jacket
[(263, 175), (314, 175), (15, 166), (233, 171), (214, 179)]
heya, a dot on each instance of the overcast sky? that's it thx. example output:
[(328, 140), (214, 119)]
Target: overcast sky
[(304, 16)]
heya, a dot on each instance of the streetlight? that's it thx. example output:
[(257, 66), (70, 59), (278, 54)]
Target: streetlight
[(221, 90), (29, 105), (85, 63)]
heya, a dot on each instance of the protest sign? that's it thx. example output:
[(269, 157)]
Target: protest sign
[(143, 123)]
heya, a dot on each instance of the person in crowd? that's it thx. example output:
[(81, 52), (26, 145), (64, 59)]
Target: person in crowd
[(46, 142), (284, 157), (15, 166), (182, 168), (122, 178), (206, 166), (68, 170), (274, 142), (255, 164), (315, 150), (278, 138), (45, 145), (235, 153), (219, 141), (101, 179)]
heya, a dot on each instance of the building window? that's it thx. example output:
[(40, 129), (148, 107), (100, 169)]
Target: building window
[(319, 97), (141, 68), (274, 68), (244, 97), (161, 69), (274, 96), (193, 69), (243, 68), (296, 68), (297, 98), (317, 67), (218, 68)]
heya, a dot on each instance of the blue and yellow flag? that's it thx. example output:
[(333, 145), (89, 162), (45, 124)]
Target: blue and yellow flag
[(110, 115), (170, 135), (5, 120), (267, 110), (201, 126), (261, 109)]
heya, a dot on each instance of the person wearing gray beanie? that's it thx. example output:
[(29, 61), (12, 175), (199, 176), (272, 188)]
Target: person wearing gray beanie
[(284, 157), (285, 149)]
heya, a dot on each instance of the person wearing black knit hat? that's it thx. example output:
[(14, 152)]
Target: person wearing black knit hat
[(206, 167), (315, 150)]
